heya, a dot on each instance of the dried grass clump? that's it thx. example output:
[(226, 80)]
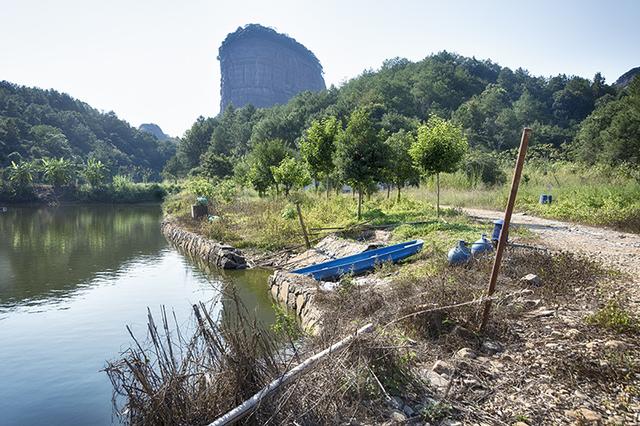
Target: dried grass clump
[(174, 379)]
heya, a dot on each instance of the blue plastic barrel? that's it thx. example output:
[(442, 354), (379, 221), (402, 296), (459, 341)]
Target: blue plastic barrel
[(497, 228), (544, 199), (459, 254)]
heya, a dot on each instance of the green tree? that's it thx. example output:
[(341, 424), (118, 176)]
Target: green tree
[(439, 148), (57, 172), (360, 154), (399, 166), (291, 174), (95, 172), (216, 165), (21, 176), (318, 146), (263, 157)]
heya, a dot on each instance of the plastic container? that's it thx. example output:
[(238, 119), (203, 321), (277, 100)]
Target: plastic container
[(497, 228), (459, 254), (483, 245)]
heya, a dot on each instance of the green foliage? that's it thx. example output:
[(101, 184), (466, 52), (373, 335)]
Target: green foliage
[(56, 172), (360, 154), (611, 133), (285, 324), (440, 146), (21, 176), (95, 172), (291, 174), (318, 146), (614, 317), (39, 124), (262, 158), (399, 167), (483, 167), (200, 187), (215, 165)]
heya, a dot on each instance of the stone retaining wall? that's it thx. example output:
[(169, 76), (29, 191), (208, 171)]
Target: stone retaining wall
[(220, 255), (297, 293)]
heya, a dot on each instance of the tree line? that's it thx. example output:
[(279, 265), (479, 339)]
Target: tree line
[(489, 103), (36, 124)]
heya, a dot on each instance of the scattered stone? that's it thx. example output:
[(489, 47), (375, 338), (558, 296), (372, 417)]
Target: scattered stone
[(541, 312), (584, 415), (437, 381), (531, 280), (531, 303), (465, 353), (592, 345), (398, 416), (442, 367), (491, 347), (572, 333), (615, 345), (520, 424)]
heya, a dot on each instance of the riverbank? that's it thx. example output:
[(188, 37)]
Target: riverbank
[(124, 193), (561, 345)]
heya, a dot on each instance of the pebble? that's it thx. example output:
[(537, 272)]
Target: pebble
[(465, 353), (584, 415), (398, 416), (572, 333), (531, 279), (491, 347), (615, 345)]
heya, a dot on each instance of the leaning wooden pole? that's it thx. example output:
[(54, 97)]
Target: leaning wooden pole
[(304, 228), (246, 407), (502, 242)]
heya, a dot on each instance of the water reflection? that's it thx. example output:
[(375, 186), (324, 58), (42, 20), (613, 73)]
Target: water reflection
[(49, 252), (71, 279)]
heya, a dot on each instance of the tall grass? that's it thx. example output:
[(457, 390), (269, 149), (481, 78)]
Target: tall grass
[(598, 195)]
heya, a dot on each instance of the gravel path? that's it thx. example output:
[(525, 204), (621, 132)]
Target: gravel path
[(614, 249)]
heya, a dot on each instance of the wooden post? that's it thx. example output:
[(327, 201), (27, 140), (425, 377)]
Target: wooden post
[(304, 228), (502, 242)]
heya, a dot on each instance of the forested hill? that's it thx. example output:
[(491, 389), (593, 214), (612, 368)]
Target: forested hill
[(36, 123), (490, 102)]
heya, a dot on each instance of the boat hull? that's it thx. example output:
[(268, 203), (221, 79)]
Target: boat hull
[(362, 262)]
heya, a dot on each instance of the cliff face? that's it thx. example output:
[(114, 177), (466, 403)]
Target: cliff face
[(262, 67), (626, 78)]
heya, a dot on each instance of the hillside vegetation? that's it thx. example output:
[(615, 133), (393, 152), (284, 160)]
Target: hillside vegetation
[(37, 124), (408, 123)]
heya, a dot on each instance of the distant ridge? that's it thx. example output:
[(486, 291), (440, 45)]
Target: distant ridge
[(154, 130), (627, 77)]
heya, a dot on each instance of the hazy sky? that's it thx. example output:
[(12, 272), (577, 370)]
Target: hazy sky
[(155, 61)]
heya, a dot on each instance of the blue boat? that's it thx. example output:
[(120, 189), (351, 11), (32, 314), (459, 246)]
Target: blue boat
[(362, 262)]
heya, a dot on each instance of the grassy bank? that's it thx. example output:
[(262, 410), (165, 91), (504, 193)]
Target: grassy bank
[(597, 195), (269, 224)]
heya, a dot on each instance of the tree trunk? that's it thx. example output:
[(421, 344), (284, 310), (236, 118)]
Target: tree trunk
[(438, 195), (388, 190), (327, 185), (399, 188), (317, 185), (359, 203)]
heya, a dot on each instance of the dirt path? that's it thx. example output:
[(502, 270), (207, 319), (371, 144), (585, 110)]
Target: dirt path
[(614, 249)]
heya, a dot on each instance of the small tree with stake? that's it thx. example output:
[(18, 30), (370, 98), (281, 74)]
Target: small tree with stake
[(290, 173), (360, 154), (400, 168), (439, 148), (318, 146)]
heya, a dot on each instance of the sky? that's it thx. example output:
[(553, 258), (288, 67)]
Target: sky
[(155, 61)]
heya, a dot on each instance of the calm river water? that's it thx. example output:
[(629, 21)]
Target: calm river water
[(71, 279)]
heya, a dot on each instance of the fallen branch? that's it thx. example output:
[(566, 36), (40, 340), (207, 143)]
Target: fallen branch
[(247, 406)]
